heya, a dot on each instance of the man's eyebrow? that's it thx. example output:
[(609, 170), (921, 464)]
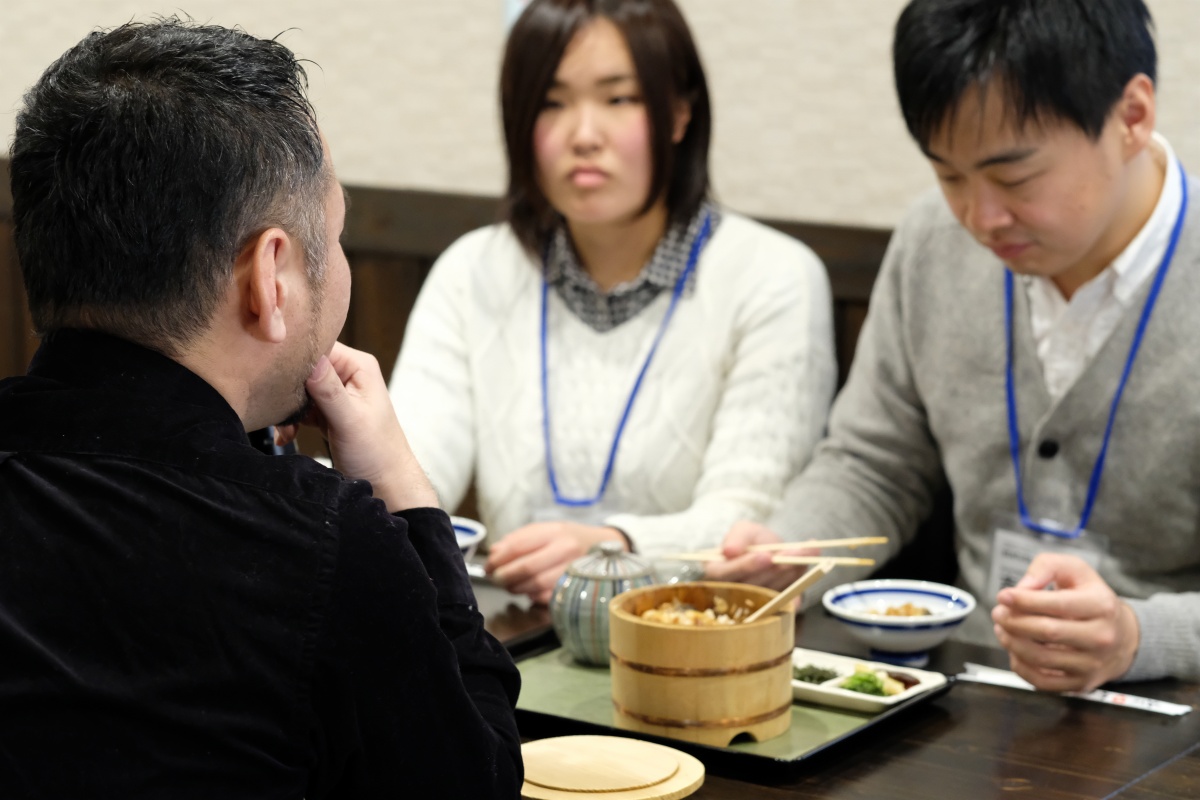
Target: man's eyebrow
[(346, 197), (1006, 157)]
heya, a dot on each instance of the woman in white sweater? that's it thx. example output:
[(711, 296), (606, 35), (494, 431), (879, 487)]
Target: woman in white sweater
[(620, 359)]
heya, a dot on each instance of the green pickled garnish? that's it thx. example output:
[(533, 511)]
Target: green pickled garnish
[(811, 673), (865, 682)]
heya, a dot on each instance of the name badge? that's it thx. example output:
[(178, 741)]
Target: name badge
[(586, 515), (1014, 547)]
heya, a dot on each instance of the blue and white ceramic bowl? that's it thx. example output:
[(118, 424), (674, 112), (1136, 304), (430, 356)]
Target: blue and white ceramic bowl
[(469, 534), (861, 606)]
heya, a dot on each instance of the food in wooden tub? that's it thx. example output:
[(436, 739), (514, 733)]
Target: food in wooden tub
[(677, 612), (700, 682)]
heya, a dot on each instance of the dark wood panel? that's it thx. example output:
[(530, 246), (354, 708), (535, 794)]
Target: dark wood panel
[(385, 289), (11, 302), (412, 222), (5, 191), (852, 255), (848, 319), (17, 342), (12, 305)]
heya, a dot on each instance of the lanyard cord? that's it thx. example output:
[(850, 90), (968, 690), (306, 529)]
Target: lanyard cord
[(580, 502), (1010, 390)]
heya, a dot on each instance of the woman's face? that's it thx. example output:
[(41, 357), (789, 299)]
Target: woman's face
[(592, 137)]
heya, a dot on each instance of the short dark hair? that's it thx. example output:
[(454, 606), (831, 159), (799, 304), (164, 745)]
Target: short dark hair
[(1054, 59), (668, 69), (145, 159)]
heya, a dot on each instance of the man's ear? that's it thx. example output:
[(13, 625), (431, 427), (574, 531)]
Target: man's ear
[(266, 270), (682, 118), (1135, 113)]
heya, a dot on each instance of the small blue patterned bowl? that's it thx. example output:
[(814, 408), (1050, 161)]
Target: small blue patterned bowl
[(469, 534), (579, 605), (905, 640)]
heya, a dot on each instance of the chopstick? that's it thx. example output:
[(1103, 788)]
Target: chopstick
[(858, 541), (780, 559), (791, 592), (842, 561)]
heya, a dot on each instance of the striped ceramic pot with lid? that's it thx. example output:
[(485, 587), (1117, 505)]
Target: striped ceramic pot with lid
[(579, 605)]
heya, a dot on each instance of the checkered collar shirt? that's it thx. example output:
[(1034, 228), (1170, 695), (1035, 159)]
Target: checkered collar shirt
[(602, 311)]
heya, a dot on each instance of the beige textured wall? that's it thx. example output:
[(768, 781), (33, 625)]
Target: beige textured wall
[(806, 122)]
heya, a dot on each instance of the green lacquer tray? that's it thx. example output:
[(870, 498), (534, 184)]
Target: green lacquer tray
[(559, 697)]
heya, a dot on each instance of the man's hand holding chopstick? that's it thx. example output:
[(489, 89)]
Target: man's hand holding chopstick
[(747, 566)]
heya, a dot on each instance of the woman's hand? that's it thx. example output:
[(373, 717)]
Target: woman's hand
[(530, 559)]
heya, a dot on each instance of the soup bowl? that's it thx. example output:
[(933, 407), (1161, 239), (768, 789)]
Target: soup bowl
[(873, 612)]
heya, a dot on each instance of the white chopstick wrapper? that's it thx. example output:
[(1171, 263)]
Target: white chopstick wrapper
[(1003, 677)]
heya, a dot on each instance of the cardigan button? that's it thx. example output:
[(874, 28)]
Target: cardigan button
[(1048, 448)]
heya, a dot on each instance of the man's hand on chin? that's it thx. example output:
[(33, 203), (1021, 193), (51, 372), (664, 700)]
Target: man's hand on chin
[(352, 409)]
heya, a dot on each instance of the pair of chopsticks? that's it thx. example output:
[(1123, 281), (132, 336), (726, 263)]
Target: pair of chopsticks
[(859, 541), (793, 591)]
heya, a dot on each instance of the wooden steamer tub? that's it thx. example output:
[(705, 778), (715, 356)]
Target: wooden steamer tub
[(700, 684)]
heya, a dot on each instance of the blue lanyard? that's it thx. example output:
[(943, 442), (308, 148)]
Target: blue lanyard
[(1098, 469), (580, 502)]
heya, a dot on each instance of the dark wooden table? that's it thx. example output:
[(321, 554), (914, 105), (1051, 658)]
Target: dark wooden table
[(973, 742)]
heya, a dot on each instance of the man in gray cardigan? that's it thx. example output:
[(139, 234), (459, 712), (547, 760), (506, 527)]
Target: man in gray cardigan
[(1061, 391)]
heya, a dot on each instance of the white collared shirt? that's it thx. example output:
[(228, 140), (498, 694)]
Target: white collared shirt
[(1068, 334)]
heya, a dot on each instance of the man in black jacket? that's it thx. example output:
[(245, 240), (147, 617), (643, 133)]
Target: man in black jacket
[(180, 615)]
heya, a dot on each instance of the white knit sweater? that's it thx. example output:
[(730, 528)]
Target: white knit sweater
[(731, 408)]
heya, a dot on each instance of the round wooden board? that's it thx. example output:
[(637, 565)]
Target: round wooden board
[(609, 767), (597, 764)]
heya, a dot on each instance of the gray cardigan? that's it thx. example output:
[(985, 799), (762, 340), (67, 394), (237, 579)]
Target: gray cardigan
[(925, 404)]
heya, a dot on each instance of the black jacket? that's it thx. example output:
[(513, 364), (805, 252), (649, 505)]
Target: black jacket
[(184, 617)]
